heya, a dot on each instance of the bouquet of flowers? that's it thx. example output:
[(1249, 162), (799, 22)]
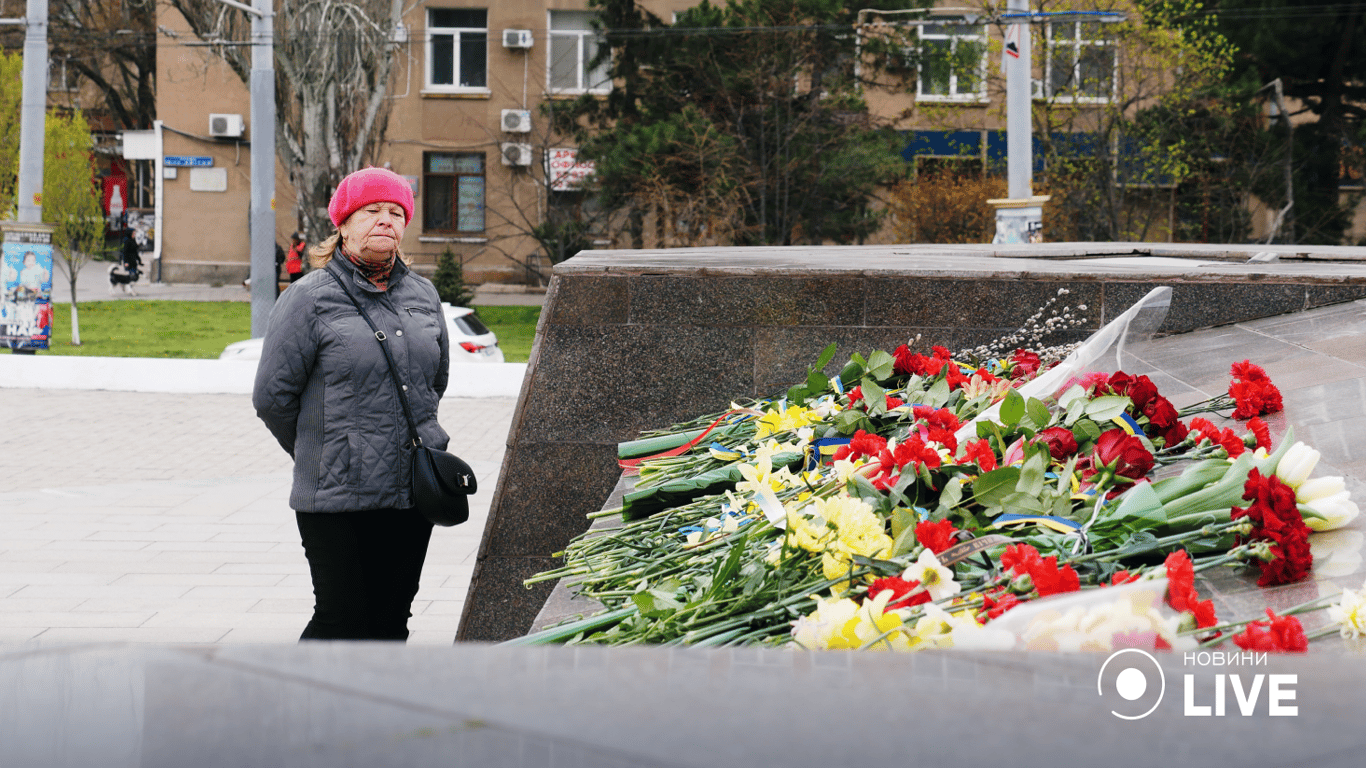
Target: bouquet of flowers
[(918, 500)]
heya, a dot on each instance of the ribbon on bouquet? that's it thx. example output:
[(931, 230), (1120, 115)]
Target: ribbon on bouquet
[(818, 449), (634, 464)]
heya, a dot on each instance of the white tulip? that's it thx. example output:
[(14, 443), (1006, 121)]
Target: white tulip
[(1336, 510), (1294, 468), (1319, 488)]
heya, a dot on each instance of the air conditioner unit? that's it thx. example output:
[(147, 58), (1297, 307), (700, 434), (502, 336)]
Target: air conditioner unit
[(225, 126), (516, 38), (516, 154), (517, 120)]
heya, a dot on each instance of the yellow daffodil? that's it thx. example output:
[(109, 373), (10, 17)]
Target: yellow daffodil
[(825, 627), (790, 418)]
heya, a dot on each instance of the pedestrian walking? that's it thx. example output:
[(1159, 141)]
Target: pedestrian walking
[(325, 390)]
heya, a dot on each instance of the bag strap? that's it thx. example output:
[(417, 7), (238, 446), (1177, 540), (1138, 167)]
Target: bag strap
[(382, 337)]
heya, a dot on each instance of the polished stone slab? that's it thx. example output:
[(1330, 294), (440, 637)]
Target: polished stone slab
[(338, 705), (632, 340)]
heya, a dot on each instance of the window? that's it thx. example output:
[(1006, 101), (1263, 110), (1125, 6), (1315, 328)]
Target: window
[(1081, 61), (457, 49), (452, 192), (61, 76), (953, 62), (573, 44)]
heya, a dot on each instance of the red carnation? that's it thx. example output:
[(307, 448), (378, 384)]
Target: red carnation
[(979, 452), (904, 592), (1278, 634), (998, 603), (1017, 558), (862, 444), (1049, 579), (1181, 594), (1261, 432), (936, 536), (1252, 391), (1276, 520)]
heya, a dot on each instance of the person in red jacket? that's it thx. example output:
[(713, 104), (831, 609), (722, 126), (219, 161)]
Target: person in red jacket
[(294, 260)]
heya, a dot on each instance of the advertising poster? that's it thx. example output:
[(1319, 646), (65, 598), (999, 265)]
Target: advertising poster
[(26, 281)]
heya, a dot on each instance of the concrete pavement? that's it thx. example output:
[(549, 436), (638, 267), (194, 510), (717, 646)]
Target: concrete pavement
[(164, 518), (161, 514)]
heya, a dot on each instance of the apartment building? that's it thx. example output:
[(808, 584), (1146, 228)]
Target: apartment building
[(465, 128)]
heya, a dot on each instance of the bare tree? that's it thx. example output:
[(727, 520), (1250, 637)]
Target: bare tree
[(333, 64), (114, 47)]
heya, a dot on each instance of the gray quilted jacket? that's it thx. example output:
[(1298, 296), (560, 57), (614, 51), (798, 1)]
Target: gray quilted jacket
[(324, 389)]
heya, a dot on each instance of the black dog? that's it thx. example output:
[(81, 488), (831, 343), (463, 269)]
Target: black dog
[(120, 276)]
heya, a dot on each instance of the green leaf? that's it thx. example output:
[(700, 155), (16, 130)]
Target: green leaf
[(827, 355), (1086, 430), (938, 394), (1038, 413), (1012, 408), (1023, 504), (1107, 407), (1032, 473), (850, 421), (903, 518), (905, 539), (817, 382), (880, 365), (853, 370), (875, 397), (989, 489), (655, 603), (1075, 410)]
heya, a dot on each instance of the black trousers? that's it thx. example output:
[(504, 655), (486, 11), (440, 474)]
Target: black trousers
[(366, 566)]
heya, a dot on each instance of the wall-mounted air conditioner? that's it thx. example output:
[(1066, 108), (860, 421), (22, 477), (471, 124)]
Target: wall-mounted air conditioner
[(516, 38), (225, 126), (517, 120), (516, 154)]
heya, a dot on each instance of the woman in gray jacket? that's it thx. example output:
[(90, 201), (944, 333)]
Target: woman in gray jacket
[(325, 391)]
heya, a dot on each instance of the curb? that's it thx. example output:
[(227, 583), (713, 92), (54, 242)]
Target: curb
[(200, 377)]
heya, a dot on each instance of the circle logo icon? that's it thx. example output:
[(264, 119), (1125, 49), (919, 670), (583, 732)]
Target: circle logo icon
[(1129, 681)]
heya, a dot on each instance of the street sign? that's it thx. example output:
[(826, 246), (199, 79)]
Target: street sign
[(188, 161)]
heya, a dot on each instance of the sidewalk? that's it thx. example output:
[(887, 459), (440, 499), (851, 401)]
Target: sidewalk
[(164, 518)]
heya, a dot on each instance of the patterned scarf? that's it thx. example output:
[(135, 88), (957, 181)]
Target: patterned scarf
[(377, 272)]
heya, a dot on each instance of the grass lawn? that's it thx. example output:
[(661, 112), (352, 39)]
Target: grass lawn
[(201, 329)]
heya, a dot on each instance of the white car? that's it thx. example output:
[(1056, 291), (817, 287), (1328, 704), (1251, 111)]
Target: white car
[(471, 342)]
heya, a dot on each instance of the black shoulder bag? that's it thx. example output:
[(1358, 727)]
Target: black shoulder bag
[(441, 481)]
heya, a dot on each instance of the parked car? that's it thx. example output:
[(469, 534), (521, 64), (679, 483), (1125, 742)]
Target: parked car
[(471, 341)]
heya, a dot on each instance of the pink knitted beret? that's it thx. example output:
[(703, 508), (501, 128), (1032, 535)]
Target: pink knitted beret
[(370, 185)]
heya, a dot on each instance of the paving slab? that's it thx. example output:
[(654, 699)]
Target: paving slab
[(146, 517)]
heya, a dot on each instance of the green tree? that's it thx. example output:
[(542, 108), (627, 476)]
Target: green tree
[(1121, 98), (71, 200), (449, 280), (1318, 51), (11, 96), (742, 124)]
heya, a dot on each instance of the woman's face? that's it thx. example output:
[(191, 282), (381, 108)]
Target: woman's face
[(374, 231)]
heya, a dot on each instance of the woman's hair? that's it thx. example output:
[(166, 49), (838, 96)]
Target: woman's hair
[(320, 254)]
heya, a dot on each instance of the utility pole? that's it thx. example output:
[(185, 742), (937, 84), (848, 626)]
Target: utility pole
[(264, 272), (26, 324), (32, 128), (1019, 217)]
